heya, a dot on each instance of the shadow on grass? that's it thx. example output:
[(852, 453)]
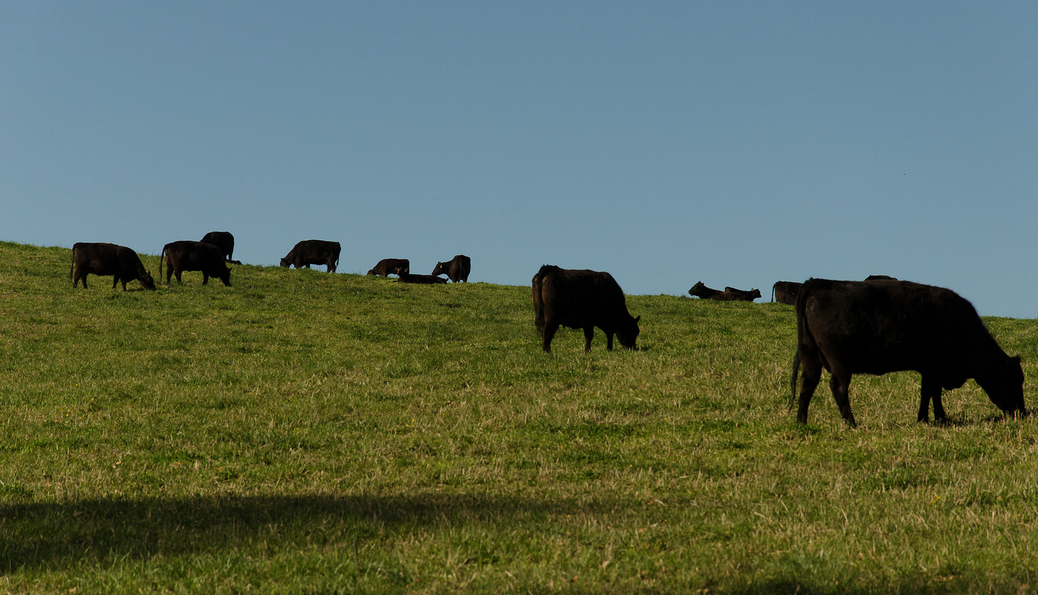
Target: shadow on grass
[(59, 534)]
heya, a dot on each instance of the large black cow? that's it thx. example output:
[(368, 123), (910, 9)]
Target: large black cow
[(875, 327), (187, 255), (308, 252), (730, 294), (581, 299), (785, 292), (391, 266), (457, 269), (107, 259), (222, 240)]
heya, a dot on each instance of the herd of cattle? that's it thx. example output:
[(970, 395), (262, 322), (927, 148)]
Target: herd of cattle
[(215, 251), (875, 326)]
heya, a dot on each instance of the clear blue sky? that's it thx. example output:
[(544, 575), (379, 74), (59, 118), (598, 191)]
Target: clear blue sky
[(734, 143)]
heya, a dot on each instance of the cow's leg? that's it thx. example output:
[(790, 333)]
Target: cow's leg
[(178, 272), (809, 381), (78, 277), (840, 383), (205, 278), (929, 390), (548, 335), (609, 341), (589, 333)]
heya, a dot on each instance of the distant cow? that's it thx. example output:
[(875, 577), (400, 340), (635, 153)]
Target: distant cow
[(107, 259), (785, 292), (308, 252), (457, 269), (875, 327), (581, 299), (421, 279), (186, 255), (880, 278), (730, 294), (391, 266), (224, 241)]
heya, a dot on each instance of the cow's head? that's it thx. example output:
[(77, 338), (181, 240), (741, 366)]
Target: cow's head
[(627, 332), (754, 294), (285, 263), (146, 281), (441, 268), (225, 275), (1005, 386), (696, 289)]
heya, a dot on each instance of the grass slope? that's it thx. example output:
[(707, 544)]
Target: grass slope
[(301, 432)]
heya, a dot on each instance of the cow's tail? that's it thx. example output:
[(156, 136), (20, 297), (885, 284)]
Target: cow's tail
[(71, 268), (538, 300), (773, 293), (803, 337), (162, 257)]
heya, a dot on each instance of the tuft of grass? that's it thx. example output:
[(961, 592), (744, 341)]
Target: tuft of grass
[(300, 432)]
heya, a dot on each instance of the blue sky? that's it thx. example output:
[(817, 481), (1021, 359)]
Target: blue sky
[(734, 143)]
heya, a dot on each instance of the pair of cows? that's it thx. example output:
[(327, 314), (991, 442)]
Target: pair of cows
[(103, 259), (457, 270), (730, 294), (875, 326)]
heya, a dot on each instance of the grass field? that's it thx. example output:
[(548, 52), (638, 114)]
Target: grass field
[(300, 432)]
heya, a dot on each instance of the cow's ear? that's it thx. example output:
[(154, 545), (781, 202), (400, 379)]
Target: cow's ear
[(637, 320)]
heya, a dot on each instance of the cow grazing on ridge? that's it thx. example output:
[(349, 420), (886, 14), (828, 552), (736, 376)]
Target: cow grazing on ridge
[(186, 255), (785, 292), (107, 259), (730, 294), (421, 279), (391, 266), (222, 240), (581, 299), (457, 269), (308, 252), (875, 327)]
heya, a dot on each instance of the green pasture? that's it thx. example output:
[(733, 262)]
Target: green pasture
[(300, 432)]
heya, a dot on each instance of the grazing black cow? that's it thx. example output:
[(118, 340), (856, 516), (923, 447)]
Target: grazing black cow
[(581, 299), (875, 327), (308, 252), (421, 279), (224, 241), (186, 255), (108, 259), (701, 291), (391, 266), (785, 292), (457, 269)]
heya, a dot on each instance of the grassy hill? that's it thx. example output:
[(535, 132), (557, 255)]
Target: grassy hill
[(300, 432)]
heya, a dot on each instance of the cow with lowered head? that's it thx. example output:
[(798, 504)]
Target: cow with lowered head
[(581, 299), (457, 269), (391, 266), (187, 255), (730, 294), (308, 252), (421, 279), (785, 292), (222, 240), (876, 327), (107, 259)]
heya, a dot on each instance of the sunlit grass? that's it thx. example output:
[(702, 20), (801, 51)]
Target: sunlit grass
[(301, 432)]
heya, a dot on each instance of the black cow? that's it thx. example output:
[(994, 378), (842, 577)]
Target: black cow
[(875, 327), (785, 292), (222, 240), (308, 252), (421, 279), (457, 269), (391, 266), (730, 294), (880, 278), (581, 299), (186, 255), (107, 259)]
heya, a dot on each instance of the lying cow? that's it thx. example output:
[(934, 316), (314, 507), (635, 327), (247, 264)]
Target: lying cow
[(391, 266), (875, 327), (186, 255), (730, 294), (308, 252), (224, 241), (785, 292), (421, 279), (107, 259), (581, 299), (457, 269)]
